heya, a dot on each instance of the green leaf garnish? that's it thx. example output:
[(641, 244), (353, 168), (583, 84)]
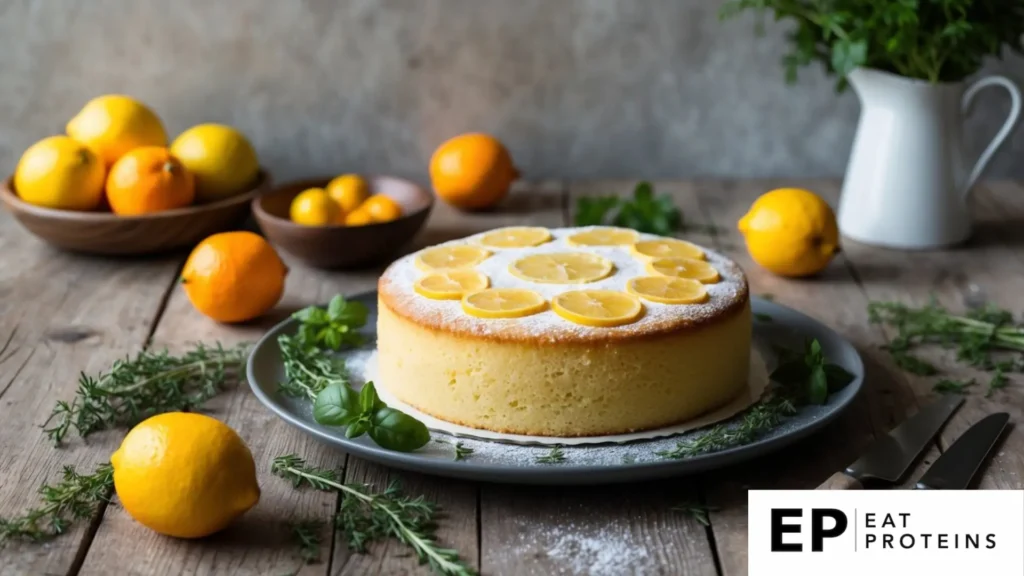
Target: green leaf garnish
[(645, 212), (331, 327)]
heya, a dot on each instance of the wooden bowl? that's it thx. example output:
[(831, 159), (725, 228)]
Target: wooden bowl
[(335, 247), (108, 234)]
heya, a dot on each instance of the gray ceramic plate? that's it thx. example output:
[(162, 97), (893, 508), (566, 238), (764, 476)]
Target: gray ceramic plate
[(595, 464)]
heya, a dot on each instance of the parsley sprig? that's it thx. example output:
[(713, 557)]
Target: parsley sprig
[(366, 516)]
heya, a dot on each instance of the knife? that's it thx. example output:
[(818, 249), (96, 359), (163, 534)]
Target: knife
[(889, 457), (961, 461)]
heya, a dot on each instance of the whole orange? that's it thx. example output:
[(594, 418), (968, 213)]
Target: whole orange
[(381, 208), (147, 180), (472, 171), (234, 276)]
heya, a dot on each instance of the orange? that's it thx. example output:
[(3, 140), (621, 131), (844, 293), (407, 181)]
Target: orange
[(472, 171), (381, 208), (233, 276), (313, 207), (358, 218), (349, 191), (147, 180)]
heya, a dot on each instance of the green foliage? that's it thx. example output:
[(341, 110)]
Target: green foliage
[(933, 40), (331, 327), (554, 456), (947, 386), (75, 497), (644, 213)]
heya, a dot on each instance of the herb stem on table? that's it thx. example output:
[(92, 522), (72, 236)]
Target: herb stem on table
[(366, 516), (75, 497)]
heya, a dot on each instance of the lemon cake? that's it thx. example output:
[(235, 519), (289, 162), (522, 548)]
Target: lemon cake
[(564, 332)]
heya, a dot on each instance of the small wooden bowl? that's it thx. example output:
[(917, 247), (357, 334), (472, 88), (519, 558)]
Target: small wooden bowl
[(336, 247), (109, 234)]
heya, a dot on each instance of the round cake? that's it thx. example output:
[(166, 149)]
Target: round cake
[(564, 332)]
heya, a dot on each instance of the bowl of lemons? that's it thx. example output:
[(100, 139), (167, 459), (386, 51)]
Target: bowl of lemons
[(345, 221), (115, 184)]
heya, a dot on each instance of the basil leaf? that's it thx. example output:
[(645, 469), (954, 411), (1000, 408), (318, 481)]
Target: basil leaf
[(331, 338), (817, 391), (838, 377), (396, 430), (368, 400), (357, 428), (311, 314), (336, 405), (353, 314), (593, 211)]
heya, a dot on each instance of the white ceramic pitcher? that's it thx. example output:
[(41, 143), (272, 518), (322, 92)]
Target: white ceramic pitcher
[(909, 174)]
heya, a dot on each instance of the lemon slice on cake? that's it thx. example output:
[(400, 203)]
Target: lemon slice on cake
[(451, 284), (684, 268), (451, 257), (667, 248), (604, 237), (503, 303), (562, 268), (516, 237), (667, 290), (602, 308)]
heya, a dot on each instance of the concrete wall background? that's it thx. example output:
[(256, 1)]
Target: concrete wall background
[(576, 88)]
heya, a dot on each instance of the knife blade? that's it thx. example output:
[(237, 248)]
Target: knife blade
[(889, 457), (957, 466)]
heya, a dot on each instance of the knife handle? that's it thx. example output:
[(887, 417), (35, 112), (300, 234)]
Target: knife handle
[(841, 481)]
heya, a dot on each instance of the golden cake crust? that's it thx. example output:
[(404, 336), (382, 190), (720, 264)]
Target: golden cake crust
[(727, 297)]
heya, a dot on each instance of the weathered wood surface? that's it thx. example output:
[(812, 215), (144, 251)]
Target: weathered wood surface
[(61, 314)]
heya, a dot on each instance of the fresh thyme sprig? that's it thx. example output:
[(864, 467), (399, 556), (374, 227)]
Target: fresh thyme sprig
[(554, 456), (461, 451), (308, 370), (148, 384), (755, 423), (697, 511), (306, 535), (366, 516), (75, 497), (946, 386)]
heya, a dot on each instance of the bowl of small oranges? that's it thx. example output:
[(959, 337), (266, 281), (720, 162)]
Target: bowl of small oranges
[(345, 221), (115, 184)]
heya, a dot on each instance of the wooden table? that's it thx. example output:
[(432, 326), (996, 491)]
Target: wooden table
[(61, 314)]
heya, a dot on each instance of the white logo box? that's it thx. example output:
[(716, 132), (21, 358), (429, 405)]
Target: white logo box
[(887, 532)]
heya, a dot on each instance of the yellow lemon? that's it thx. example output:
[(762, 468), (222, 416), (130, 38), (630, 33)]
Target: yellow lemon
[(450, 257), (451, 284), (666, 248), (604, 237), (114, 125), (221, 158), (358, 218), (349, 191), (562, 268), (313, 207), (684, 268), (602, 308), (516, 237), (791, 232), (667, 290), (503, 303), (58, 172), (184, 475), (381, 208)]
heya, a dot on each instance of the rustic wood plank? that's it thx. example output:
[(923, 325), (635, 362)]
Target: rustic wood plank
[(619, 529), (528, 203), (988, 269), (61, 314), (833, 298)]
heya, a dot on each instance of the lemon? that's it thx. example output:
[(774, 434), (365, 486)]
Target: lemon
[(516, 237), (602, 308), (184, 474), (358, 218), (667, 248), (503, 303), (349, 191), (114, 125), (221, 158), (684, 268), (604, 237), (58, 172), (451, 257), (791, 232), (381, 208), (313, 207), (666, 290), (451, 284), (562, 268)]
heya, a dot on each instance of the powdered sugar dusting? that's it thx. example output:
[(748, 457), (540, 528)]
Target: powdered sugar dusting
[(397, 284)]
